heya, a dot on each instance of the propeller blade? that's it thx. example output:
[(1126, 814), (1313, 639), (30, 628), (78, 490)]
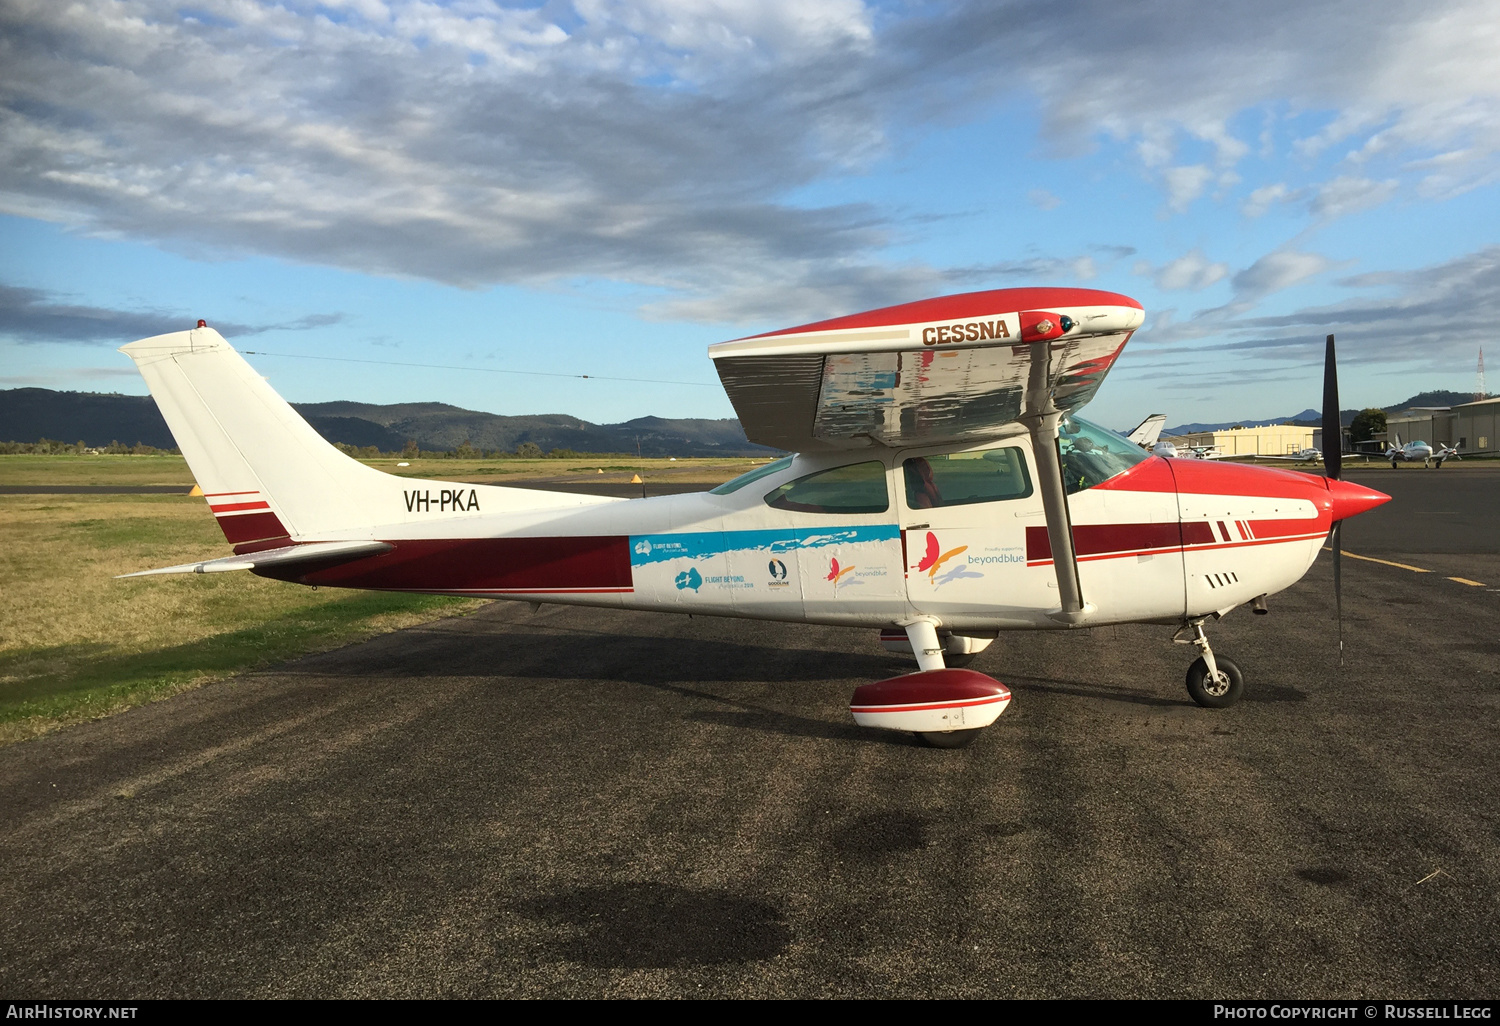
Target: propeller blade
[(1338, 582), (1333, 432)]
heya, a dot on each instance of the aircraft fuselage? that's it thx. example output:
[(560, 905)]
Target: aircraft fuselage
[(1161, 541)]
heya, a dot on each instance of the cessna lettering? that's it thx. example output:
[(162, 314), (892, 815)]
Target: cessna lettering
[(971, 331), (448, 500)]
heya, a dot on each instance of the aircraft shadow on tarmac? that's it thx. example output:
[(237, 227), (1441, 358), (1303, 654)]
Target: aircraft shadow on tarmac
[(630, 659), (654, 925)]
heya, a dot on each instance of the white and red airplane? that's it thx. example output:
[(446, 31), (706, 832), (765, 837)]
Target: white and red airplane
[(1419, 450), (942, 487)]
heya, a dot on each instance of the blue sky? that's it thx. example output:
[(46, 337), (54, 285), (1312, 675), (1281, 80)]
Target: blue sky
[(606, 188)]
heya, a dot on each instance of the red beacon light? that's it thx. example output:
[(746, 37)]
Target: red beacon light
[(202, 323)]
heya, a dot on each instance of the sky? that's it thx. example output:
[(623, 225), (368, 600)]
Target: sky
[(476, 202)]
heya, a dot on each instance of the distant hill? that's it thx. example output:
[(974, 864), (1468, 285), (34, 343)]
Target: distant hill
[(30, 414), (1314, 418)]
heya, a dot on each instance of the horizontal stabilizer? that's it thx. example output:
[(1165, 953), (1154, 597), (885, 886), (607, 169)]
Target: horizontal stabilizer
[(329, 553)]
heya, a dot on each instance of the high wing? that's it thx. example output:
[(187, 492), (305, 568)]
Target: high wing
[(957, 369)]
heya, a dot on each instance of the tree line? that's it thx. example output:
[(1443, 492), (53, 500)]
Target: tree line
[(467, 451), (50, 447)]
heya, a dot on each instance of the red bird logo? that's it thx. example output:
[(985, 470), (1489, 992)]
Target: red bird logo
[(932, 560), (835, 572)]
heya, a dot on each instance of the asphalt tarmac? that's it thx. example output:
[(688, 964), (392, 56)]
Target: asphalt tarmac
[(587, 803)]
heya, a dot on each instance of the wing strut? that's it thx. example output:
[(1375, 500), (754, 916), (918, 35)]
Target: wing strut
[(1042, 419)]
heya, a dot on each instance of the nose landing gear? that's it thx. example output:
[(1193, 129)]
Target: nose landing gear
[(1214, 682)]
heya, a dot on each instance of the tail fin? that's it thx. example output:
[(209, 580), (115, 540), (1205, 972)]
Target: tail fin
[(1148, 431), (266, 473)]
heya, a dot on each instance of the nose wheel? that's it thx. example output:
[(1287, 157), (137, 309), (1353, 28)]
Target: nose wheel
[(1213, 682), (1218, 688)]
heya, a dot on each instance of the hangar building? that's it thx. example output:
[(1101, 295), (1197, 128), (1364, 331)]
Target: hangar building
[(1266, 440)]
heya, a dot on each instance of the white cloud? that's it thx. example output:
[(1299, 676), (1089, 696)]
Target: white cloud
[(656, 141), (1185, 184), (1043, 200), (1192, 271), (1262, 199), (1276, 271), (1346, 195)]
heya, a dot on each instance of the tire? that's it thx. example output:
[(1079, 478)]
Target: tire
[(1222, 696), (948, 738)]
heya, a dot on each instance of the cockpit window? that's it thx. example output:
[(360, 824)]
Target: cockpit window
[(961, 478), (856, 488), (1092, 455), (735, 484)]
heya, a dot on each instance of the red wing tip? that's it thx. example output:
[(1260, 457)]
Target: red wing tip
[(964, 304)]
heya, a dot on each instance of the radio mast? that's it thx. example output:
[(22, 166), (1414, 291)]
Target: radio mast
[(1482, 393)]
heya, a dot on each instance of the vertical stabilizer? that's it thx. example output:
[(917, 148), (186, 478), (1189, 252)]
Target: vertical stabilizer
[(1148, 431), (264, 470)]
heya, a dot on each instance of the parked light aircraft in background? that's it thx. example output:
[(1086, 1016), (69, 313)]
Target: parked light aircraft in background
[(1171, 450), (1308, 455), (1411, 452), (942, 485)]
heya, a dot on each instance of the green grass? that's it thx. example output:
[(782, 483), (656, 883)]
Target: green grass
[(99, 678), (173, 470), (75, 643), (95, 470)]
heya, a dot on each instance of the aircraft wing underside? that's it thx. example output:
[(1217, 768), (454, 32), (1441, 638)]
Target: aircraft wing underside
[(963, 369)]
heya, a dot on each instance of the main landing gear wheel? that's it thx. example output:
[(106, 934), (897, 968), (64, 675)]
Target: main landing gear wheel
[(1220, 692), (948, 738)]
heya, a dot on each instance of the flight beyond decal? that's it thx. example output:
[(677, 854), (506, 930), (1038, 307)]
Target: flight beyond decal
[(662, 548)]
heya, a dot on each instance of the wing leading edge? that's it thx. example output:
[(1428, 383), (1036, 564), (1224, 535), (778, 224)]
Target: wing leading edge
[(962, 368)]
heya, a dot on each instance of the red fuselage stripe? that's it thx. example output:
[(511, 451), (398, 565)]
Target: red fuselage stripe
[(515, 566), (1118, 541), (220, 495), (924, 706), (252, 527), (238, 507)]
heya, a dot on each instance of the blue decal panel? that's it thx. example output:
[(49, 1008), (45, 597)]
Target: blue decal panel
[(646, 549)]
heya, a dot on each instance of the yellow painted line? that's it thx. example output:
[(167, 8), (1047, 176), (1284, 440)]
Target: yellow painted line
[(1383, 562), (1404, 566)]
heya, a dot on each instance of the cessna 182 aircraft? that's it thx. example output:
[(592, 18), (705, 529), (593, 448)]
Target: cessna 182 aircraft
[(942, 485)]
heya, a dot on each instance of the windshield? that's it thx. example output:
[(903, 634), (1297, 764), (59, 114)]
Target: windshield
[(735, 484), (1092, 455), (855, 488)]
